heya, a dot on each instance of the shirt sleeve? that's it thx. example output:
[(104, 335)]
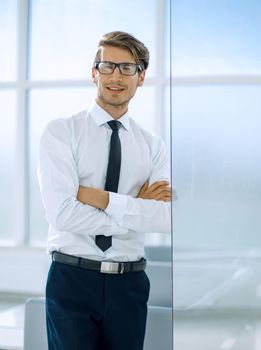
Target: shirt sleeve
[(59, 184), (144, 215)]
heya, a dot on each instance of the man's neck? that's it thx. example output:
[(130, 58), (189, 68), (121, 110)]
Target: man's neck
[(116, 112)]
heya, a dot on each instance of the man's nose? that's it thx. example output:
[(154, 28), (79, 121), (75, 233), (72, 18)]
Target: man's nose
[(117, 72)]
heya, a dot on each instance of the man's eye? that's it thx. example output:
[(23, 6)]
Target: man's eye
[(127, 67), (106, 66)]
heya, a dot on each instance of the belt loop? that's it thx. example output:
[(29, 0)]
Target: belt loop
[(79, 262), (121, 268)]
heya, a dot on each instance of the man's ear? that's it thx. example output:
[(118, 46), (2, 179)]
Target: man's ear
[(94, 75), (141, 78)]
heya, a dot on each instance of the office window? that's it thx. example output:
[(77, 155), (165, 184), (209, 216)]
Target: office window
[(7, 161), (64, 49), (8, 184), (8, 19), (169, 29)]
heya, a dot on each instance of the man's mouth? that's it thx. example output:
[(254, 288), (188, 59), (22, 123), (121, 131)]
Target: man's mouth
[(116, 89)]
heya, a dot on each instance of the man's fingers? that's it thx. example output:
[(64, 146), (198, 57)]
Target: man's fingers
[(161, 189), (158, 184), (164, 194)]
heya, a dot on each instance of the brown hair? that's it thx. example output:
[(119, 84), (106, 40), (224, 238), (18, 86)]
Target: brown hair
[(128, 42)]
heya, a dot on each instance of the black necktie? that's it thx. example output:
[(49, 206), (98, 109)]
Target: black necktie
[(112, 176)]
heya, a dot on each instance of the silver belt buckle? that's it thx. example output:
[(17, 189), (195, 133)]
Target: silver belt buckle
[(111, 267)]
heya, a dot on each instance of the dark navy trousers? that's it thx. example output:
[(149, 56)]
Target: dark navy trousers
[(89, 310)]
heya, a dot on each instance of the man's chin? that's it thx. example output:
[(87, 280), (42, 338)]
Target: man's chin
[(115, 102)]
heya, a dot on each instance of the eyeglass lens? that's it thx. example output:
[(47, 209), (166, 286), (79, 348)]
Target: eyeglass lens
[(109, 67)]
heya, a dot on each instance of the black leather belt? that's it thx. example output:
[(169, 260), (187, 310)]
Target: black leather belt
[(100, 266)]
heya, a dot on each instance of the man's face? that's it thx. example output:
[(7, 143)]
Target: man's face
[(115, 90)]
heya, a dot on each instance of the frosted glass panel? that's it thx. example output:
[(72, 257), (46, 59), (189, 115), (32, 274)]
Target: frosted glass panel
[(65, 47), (7, 161), (217, 166), (216, 37), (8, 35)]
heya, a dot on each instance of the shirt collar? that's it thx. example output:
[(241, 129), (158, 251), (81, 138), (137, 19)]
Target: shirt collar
[(100, 116)]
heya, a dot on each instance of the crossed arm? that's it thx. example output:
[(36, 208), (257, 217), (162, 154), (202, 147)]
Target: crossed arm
[(98, 198)]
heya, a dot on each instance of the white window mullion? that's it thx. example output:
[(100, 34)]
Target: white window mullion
[(22, 180)]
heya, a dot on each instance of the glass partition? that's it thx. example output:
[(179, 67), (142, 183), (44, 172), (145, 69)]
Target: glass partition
[(218, 37), (217, 153), (216, 167)]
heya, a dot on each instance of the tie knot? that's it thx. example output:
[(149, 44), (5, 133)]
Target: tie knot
[(114, 125)]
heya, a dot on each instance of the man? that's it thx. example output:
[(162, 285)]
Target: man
[(104, 182)]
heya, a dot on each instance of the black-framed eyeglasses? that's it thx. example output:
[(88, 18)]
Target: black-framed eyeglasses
[(107, 67)]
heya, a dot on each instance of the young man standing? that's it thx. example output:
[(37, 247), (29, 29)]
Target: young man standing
[(104, 182)]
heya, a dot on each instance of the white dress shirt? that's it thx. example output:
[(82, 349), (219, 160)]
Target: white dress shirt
[(74, 152)]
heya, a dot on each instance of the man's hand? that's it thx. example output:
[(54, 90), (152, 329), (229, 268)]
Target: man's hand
[(93, 196), (160, 191)]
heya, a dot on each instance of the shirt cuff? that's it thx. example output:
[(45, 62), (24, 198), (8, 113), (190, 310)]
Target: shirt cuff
[(117, 206)]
